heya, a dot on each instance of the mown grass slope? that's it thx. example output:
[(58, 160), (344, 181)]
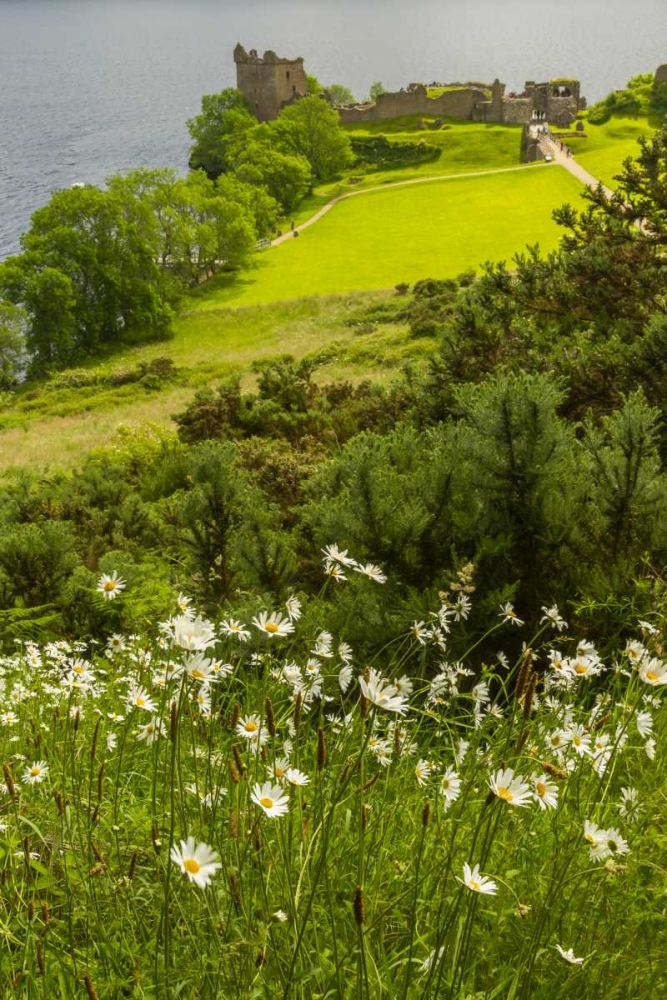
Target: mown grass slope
[(382, 238), (464, 147)]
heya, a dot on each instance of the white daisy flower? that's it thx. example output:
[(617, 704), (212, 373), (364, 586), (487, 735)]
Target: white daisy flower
[(273, 625), (508, 614), (644, 723), (198, 861), (545, 792), (513, 790), (569, 955), (476, 882), (35, 773), (345, 675), (381, 693), (293, 608), (150, 732), (333, 569), (193, 634), (372, 571), (110, 586), (138, 697), (552, 616), (422, 772), (296, 777), (580, 740), (629, 804), (450, 787), (653, 672), (333, 554), (183, 604), (201, 669), (232, 627), (271, 799), (250, 727)]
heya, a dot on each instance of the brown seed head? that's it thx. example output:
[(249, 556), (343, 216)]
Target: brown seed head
[(359, 905)]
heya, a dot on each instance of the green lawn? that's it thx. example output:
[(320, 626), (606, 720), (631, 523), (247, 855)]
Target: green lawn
[(424, 230), (465, 147), (605, 148), (369, 242)]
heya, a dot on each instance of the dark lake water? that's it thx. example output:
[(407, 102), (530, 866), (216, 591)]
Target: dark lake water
[(93, 87)]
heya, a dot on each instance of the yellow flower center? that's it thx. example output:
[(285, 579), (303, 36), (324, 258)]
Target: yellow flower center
[(251, 727), (35, 771), (541, 789), (280, 771), (266, 802), (589, 837), (576, 740), (271, 627), (79, 669), (651, 675), (109, 586), (580, 668), (474, 885), (504, 793), (197, 674), (191, 866), (141, 702)]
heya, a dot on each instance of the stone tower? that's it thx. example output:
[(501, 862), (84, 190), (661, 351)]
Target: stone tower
[(267, 82)]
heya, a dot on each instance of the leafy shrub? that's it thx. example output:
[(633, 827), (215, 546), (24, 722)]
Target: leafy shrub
[(379, 153)]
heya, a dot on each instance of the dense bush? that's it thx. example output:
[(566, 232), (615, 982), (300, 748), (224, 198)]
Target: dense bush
[(380, 153)]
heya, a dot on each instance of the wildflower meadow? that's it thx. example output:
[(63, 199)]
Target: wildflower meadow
[(242, 808)]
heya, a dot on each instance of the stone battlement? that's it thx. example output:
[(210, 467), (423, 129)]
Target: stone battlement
[(270, 82)]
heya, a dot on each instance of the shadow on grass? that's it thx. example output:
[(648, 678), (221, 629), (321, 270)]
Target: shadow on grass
[(223, 289)]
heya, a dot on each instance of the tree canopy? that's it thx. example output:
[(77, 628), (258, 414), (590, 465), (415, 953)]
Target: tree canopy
[(320, 136), (224, 117), (100, 266)]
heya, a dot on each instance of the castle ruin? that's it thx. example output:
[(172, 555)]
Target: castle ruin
[(269, 83), (559, 101)]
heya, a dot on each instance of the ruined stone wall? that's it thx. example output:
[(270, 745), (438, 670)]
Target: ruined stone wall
[(562, 110), (517, 110), (452, 104), (268, 82)]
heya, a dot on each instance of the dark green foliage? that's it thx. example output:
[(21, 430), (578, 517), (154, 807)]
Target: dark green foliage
[(390, 498), (319, 136), (639, 97), (530, 442), (100, 268), (223, 119), (380, 153), (227, 528), (35, 562)]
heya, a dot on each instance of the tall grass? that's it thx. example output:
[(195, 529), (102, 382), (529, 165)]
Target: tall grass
[(396, 776)]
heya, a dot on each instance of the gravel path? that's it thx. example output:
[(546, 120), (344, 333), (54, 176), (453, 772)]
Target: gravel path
[(552, 146)]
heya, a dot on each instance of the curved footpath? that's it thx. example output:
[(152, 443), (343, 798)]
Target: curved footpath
[(565, 161), (552, 147)]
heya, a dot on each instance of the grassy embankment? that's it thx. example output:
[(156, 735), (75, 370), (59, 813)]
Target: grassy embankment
[(368, 242), (464, 147), (605, 147)]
